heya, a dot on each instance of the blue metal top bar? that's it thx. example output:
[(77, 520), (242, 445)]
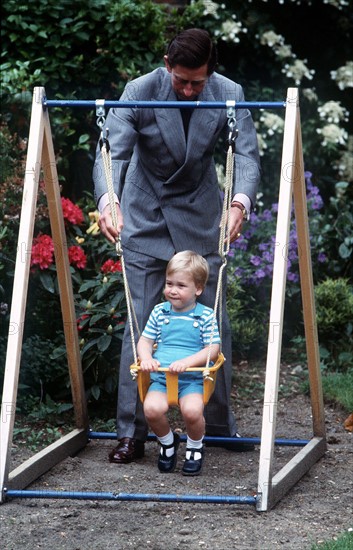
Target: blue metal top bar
[(90, 103)]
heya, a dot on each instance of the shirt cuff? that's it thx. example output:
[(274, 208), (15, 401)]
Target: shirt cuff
[(104, 200), (244, 199)]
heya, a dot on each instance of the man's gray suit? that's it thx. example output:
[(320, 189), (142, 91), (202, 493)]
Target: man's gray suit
[(168, 190)]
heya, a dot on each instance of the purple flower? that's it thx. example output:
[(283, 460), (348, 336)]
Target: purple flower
[(255, 260), (294, 277), (316, 202), (239, 272), (267, 256), (260, 274), (267, 215), (322, 258)]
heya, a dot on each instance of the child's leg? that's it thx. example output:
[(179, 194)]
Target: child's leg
[(155, 409), (192, 406)]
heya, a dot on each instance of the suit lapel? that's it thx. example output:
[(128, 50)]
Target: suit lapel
[(170, 123), (202, 126)]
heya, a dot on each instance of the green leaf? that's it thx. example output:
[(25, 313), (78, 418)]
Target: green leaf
[(104, 342), (344, 251), (47, 281), (87, 285), (95, 391)]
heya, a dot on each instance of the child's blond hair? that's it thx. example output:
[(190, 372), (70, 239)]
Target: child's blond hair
[(192, 263)]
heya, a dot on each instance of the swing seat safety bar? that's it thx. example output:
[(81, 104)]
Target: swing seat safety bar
[(209, 380)]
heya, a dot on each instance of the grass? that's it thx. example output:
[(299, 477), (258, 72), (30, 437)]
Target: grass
[(337, 387), (343, 542)]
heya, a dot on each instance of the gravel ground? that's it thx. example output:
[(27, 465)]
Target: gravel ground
[(318, 508)]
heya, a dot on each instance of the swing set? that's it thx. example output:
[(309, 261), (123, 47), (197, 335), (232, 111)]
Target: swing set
[(270, 488)]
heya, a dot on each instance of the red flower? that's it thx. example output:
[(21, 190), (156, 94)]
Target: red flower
[(42, 251), (77, 257), (72, 213), (111, 267)]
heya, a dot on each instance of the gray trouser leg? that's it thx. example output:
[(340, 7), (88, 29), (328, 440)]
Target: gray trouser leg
[(220, 419), (146, 277)]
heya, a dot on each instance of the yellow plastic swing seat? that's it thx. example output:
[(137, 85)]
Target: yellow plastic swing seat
[(209, 380)]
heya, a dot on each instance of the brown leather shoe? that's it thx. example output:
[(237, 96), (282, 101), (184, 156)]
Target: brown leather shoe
[(128, 450)]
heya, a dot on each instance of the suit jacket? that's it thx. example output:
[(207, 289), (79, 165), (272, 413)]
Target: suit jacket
[(167, 184)]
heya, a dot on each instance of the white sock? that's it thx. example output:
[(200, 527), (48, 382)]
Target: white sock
[(167, 440), (192, 444)]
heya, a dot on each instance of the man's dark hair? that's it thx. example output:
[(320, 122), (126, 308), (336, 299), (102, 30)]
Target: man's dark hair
[(193, 48)]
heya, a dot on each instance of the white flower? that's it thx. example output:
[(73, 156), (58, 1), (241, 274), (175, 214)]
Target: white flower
[(310, 94), (230, 30), (298, 70), (211, 8), (332, 111), (345, 163), (221, 175), (270, 38), (337, 3), (344, 76), (261, 141), (333, 134), (284, 51), (272, 122), (276, 42)]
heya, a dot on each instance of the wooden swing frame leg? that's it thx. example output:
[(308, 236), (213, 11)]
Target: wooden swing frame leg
[(40, 157)]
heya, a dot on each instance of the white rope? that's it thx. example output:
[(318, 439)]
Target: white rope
[(223, 249), (131, 313)]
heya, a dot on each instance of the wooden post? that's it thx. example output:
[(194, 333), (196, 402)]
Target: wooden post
[(64, 276), (307, 290)]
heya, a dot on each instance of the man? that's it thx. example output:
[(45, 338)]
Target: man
[(167, 200)]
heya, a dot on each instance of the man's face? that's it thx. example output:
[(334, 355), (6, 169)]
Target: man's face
[(187, 83)]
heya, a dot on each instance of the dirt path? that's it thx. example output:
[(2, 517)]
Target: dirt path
[(318, 508)]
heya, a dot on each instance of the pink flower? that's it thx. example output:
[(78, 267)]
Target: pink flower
[(72, 213), (77, 257), (110, 266), (42, 251)]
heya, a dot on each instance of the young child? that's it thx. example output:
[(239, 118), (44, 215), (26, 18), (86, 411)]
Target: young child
[(181, 330)]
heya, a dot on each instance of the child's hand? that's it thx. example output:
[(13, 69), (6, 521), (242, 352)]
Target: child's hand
[(178, 366), (150, 365)]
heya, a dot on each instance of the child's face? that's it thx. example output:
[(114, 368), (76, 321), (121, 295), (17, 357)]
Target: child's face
[(181, 291)]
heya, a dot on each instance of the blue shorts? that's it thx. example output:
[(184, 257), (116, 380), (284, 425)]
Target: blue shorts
[(187, 383)]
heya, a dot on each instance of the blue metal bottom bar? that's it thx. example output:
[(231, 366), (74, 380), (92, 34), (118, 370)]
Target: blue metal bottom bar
[(216, 440), (89, 495)]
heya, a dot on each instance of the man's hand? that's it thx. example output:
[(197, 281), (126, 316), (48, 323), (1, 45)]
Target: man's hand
[(105, 223), (235, 223)]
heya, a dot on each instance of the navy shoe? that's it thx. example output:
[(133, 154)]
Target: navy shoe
[(166, 464), (193, 462)]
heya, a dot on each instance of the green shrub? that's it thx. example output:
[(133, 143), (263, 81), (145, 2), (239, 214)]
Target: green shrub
[(334, 313)]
